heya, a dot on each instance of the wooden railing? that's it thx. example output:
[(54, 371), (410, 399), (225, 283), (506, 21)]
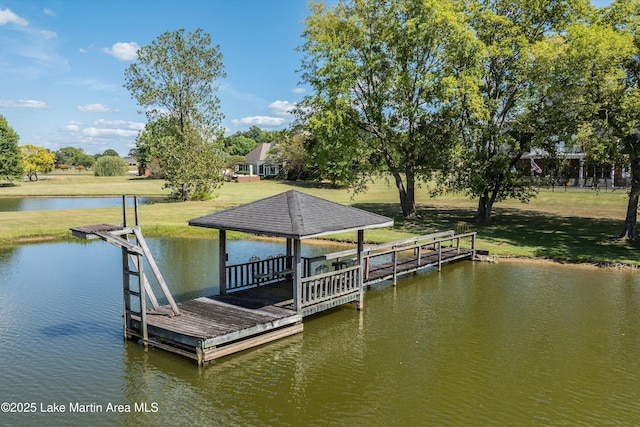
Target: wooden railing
[(326, 286), (416, 248), (262, 272), (257, 273)]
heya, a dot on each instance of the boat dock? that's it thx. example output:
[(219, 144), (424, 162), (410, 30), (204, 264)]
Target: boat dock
[(265, 300)]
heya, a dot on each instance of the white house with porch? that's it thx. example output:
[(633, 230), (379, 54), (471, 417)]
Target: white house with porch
[(256, 161)]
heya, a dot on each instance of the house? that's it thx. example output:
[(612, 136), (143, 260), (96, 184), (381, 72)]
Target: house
[(257, 164)]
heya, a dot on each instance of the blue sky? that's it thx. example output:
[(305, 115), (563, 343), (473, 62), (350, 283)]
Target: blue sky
[(62, 64)]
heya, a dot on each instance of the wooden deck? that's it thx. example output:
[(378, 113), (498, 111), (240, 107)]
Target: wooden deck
[(212, 327)]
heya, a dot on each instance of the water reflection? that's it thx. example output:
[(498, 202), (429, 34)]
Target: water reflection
[(474, 344)]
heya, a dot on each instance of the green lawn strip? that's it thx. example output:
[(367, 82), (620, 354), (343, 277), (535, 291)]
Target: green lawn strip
[(572, 226)]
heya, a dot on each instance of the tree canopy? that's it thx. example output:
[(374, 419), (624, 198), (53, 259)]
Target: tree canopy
[(175, 80), (384, 74), (10, 156), (36, 160)]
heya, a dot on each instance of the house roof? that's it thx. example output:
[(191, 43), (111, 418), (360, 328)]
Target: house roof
[(259, 153), (294, 215)]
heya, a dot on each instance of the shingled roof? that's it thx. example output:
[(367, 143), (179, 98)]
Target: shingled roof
[(294, 215)]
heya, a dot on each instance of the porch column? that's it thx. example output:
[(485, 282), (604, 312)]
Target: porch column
[(581, 173), (297, 275), (222, 261), (361, 272)]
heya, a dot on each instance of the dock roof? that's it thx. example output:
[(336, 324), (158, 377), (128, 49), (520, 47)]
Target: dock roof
[(292, 214)]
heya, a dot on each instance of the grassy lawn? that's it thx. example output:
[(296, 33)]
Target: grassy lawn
[(574, 226)]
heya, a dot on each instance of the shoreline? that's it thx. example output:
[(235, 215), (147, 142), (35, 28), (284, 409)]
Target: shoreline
[(598, 265), (515, 259)]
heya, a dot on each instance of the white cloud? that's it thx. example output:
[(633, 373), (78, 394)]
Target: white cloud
[(103, 132), (82, 50), (119, 124), (282, 108), (7, 16), (48, 35), (298, 90), (49, 12), (105, 128), (24, 104), (94, 108), (124, 51), (73, 126), (258, 121)]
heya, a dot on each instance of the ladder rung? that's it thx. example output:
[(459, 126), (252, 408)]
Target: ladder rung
[(132, 272), (134, 293)]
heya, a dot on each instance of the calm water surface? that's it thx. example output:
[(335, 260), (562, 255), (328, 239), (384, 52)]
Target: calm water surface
[(477, 344), (17, 204)]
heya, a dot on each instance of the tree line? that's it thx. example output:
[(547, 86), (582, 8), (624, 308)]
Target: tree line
[(17, 161)]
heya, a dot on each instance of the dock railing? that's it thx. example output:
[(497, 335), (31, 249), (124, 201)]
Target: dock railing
[(419, 247), (331, 285), (262, 272)]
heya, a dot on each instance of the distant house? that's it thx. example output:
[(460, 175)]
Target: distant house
[(256, 161)]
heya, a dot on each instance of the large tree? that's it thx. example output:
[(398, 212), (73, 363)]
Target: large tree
[(385, 76), (610, 82), (36, 160), (499, 131), (175, 80), (10, 156)]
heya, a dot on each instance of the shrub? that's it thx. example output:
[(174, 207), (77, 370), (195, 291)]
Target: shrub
[(110, 166)]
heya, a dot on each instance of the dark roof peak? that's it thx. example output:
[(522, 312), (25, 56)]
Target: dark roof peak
[(292, 214)]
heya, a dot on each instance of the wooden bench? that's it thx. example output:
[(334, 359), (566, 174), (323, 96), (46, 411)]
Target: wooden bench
[(273, 274)]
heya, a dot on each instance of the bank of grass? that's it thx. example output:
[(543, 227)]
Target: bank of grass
[(571, 226)]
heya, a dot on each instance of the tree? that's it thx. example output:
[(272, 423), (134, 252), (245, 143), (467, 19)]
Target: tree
[(74, 157), (10, 156), (385, 77), (37, 160), (239, 145), (503, 126), (290, 154), (608, 93), (110, 166), (174, 80)]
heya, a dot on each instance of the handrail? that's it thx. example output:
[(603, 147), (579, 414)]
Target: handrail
[(369, 249), (327, 286)]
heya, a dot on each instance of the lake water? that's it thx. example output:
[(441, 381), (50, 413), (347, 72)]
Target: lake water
[(15, 204), (477, 344)]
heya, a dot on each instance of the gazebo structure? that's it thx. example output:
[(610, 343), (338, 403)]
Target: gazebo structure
[(264, 300), (295, 216)]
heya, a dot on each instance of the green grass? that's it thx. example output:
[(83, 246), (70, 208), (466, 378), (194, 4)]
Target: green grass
[(572, 226)]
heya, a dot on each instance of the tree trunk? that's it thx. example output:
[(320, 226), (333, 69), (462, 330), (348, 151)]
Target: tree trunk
[(630, 231), (185, 193), (485, 207), (408, 202)]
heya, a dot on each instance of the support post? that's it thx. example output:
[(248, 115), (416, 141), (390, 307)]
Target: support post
[(124, 211), (222, 261), (360, 304), (297, 275), (394, 257), (135, 210), (289, 252), (473, 246), (126, 288), (143, 302), (439, 255)]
